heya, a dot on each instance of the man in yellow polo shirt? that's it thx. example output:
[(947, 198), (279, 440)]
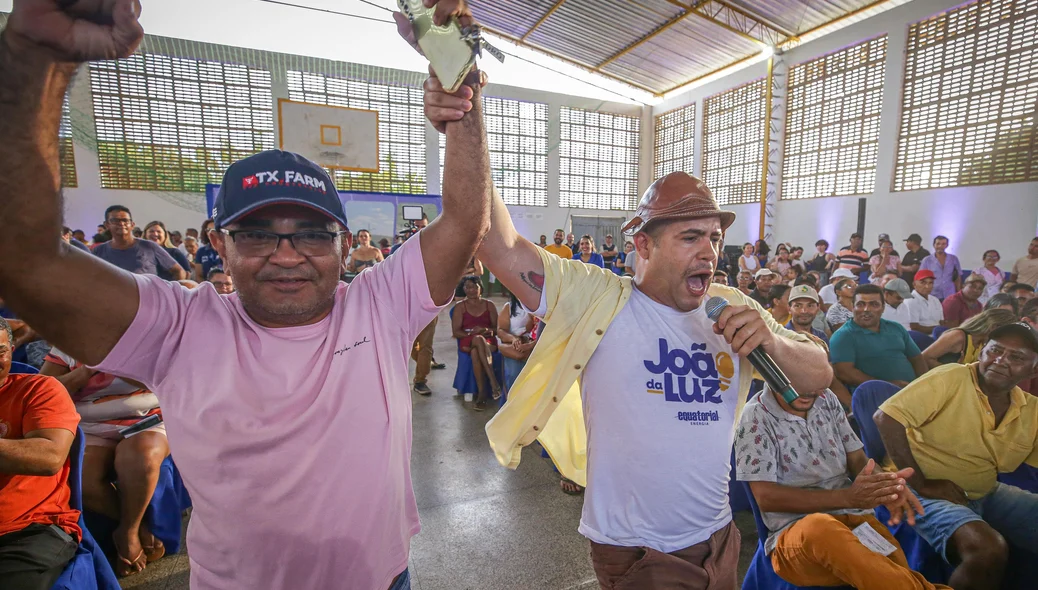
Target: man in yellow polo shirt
[(558, 248), (958, 427)]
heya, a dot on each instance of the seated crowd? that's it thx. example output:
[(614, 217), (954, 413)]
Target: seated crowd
[(961, 345), (39, 417), (963, 348)]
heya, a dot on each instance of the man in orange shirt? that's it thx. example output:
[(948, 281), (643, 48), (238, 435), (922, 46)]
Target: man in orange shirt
[(38, 530), (558, 248)]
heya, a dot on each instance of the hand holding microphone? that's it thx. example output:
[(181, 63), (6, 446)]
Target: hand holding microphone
[(745, 329)]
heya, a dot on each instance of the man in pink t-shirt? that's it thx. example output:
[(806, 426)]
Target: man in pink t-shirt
[(287, 404)]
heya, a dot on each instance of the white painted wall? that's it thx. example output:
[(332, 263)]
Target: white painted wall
[(1003, 217)]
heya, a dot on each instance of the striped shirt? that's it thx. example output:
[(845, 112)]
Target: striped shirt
[(107, 403), (853, 259)]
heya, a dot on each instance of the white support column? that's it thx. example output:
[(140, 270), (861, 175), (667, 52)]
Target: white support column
[(432, 160), (278, 89), (700, 139), (84, 132), (553, 211), (892, 94), (646, 154), (778, 79)]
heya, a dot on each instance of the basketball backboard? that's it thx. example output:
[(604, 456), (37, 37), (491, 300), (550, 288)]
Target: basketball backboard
[(335, 137)]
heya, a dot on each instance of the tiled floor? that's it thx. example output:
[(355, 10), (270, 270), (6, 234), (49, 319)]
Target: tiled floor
[(483, 527)]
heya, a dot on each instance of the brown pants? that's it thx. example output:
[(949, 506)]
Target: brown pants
[(710, 565), (422, 352), (821, 550)]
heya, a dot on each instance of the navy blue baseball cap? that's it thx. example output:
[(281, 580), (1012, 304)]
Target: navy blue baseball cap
[(275, 177)]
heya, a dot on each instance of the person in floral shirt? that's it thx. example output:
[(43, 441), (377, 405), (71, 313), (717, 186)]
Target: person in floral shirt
[(799, 459)]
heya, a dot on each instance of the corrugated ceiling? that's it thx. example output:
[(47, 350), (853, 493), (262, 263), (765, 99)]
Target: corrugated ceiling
[(658, 45)]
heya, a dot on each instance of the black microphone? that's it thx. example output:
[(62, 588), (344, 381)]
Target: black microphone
[(760, 360)]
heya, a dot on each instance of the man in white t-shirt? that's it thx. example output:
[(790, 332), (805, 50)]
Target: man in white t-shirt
[(635, 375), (925, 310), (828, 292), (895, 294)]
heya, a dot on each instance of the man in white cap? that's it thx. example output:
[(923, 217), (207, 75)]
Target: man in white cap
[(764, 280), (895, 292), (828, 292), (803, 307)]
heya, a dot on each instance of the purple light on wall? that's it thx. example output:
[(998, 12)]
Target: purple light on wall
[(957, 208), (829, 219)]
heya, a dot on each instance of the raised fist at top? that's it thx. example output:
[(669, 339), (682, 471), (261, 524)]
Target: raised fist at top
[(75, 30)]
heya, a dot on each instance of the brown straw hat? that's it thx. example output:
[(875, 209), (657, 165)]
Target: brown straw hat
[(676, 196)]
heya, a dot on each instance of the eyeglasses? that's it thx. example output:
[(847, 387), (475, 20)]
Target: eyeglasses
[(117, 221), (251, 242)]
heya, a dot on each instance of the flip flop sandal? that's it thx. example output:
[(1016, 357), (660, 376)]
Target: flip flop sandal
[(578, 492), (154, 552), (125, 567)]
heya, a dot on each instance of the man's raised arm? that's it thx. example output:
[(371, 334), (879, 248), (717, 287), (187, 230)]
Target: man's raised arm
[(513, 259), (450, 241), (61, 292)]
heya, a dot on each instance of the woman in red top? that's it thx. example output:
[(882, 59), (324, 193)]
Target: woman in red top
[(474, 322)]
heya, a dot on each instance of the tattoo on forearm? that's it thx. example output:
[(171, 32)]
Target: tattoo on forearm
[(533, 279)]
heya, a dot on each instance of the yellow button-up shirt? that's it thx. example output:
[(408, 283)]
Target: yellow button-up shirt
[(951, 428), (544, 402)]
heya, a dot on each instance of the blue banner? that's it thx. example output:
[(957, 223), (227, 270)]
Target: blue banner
[(382, 214)]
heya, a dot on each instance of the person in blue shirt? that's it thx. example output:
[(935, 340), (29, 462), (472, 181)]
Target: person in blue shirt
[(586, 252), (620, 266), (870, 348), (206, 258), (66, 234), (156, 232)]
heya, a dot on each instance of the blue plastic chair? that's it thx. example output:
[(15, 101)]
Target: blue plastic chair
[(737, 499), (1025, 478), (938, 330), (761, 574), (866, 400), (1023, 565), (164, 515), (921, 556), (23, 369), (465, 375), (167, 506), (921, 340), (89, 568)]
